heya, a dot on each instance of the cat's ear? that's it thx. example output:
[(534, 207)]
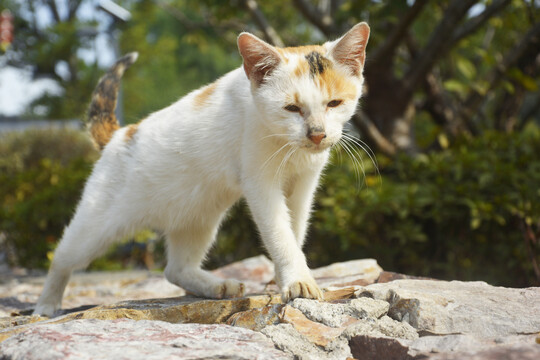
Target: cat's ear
[(260, 58), (350, 49)]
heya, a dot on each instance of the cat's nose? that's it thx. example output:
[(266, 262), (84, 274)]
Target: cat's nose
[(316, 137)]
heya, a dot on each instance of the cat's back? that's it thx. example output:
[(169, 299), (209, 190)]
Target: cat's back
[(212, 107)]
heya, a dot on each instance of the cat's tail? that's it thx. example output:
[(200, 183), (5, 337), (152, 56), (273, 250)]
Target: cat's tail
[(100, 118)]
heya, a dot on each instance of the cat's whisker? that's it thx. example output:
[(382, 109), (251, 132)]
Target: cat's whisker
[(367, 150), (337, 151), (274, 155), (283, 163), (358, 156), (365, 147), (272, 135), (356, 164)]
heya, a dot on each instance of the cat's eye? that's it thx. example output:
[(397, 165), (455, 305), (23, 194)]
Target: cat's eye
[(293, 108), (334, 103)]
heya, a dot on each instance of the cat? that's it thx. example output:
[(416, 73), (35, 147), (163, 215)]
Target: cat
[(263, 132)]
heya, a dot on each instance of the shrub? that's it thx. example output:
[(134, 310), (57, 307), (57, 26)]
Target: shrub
[(455, 214), (41, 178)]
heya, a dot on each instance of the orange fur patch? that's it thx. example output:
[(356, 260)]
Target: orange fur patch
[(103, 130), (131, 130), (336, 85), (333, 82), (202, 97), (301, 69)]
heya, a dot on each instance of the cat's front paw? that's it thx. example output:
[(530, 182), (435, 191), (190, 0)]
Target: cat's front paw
[(231, 289), (305, 288), (46, 309)]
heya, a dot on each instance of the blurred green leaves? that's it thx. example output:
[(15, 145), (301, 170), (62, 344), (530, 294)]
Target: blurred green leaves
[(455, 214), (42, 174)]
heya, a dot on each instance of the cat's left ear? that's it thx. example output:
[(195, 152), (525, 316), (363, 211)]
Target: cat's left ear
[(260, 58), (350, 49)]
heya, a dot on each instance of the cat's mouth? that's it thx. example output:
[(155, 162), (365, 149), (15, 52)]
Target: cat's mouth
[(317, 148)]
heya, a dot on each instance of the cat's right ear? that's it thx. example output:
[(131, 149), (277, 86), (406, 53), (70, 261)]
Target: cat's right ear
[(260, 58)]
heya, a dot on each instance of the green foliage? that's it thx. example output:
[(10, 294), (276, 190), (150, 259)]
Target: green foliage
[(456, 214), (41, 178), (172, 60)]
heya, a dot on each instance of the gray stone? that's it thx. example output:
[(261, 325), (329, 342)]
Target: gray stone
[(455, 307), (354, 272), (382, 327), (286, 338), (129, 339), (471, 320), (448, 347), (368, 308), (336, 315)]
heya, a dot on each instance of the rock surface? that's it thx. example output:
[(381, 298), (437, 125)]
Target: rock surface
[(456, 307), (130, 339), (367, 314)]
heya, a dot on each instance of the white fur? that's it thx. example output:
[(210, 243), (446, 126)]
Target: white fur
[(188, 164)]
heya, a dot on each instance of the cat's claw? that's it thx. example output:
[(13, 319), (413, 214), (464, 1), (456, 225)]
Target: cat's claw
[(304, 289), (231, 289)]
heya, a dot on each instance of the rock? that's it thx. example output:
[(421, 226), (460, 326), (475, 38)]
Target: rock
[(367, 313), (517, 351), (257, 319), (20, 293), (387, 276), (322, 330), (436, 346), (316, 333), (340, 294), (382, 327), (185, 309), (256, 273), (287, 338), (378, 348), (257, 268), (453, 347), (456, 307), (335, 315), (349, 273), (130, 339)]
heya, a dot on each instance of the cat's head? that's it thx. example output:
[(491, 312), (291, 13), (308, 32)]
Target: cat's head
[(306, 94)]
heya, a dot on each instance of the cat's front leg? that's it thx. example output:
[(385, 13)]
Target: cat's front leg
[(270, 212), (299, 201)]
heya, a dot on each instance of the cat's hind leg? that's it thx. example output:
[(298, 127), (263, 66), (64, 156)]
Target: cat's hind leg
[(185, 253), (86, 238)]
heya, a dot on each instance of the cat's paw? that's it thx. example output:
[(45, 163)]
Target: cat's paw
[(231, 289), (46, 309), (305, 288)]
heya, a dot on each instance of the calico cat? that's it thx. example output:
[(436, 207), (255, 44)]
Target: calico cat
[(263, 131)]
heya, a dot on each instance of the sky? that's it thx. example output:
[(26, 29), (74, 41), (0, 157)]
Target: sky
[(18, 90)]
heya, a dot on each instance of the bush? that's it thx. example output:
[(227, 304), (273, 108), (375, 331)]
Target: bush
[(455, 214), (42, 174)]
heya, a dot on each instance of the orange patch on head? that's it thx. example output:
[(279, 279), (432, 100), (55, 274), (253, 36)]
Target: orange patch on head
[(131, 130), (301, 69), (285, 54), (202, 97), (336, 85)]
